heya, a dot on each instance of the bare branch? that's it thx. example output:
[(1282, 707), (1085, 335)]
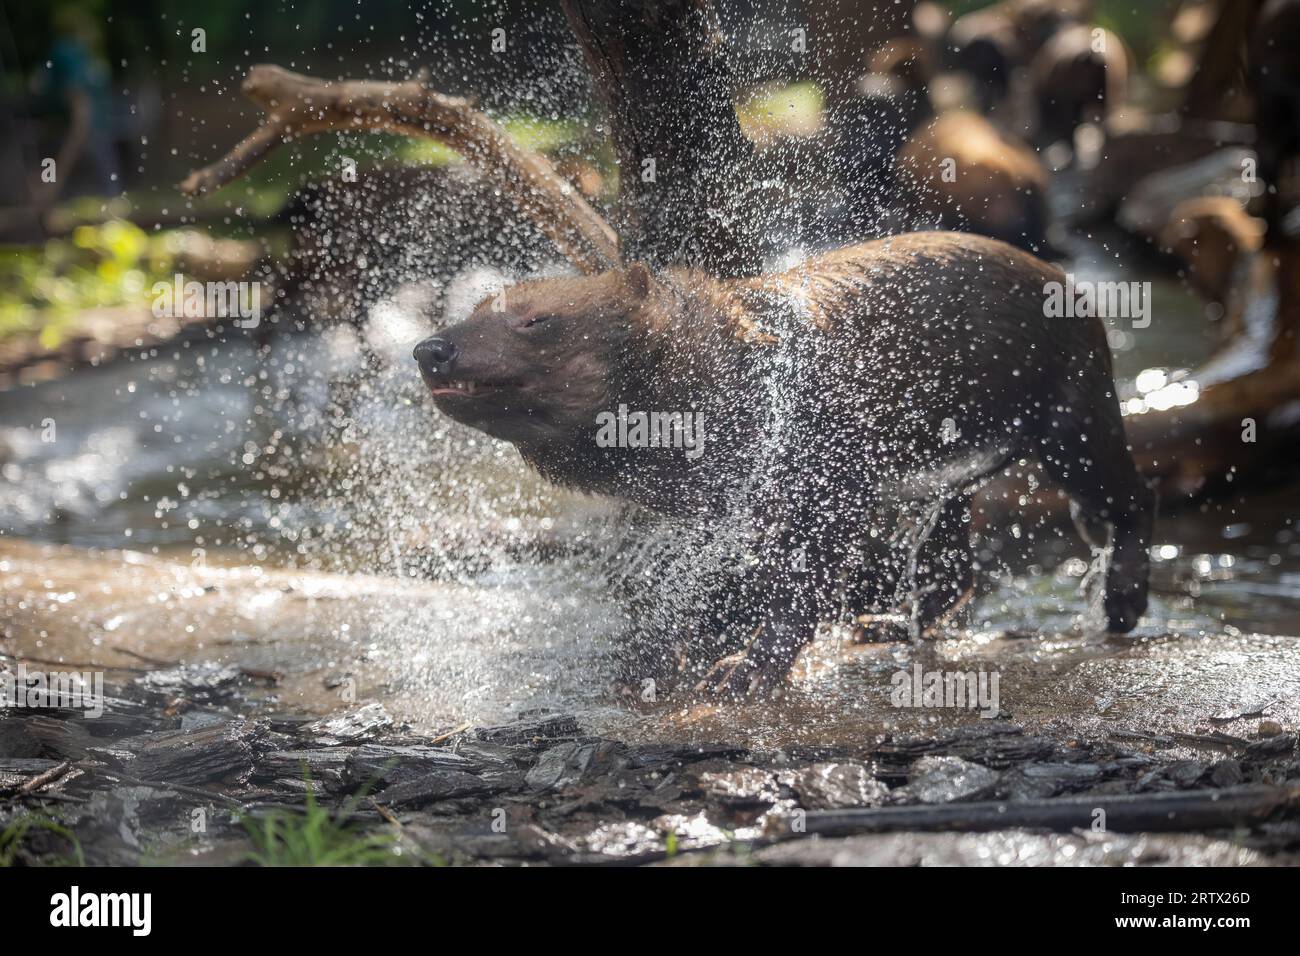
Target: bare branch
[(298, 106)]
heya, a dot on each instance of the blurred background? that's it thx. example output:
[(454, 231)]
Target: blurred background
[(146, 89)]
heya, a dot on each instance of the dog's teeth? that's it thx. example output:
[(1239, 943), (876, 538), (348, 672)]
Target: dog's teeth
[(469, 388)]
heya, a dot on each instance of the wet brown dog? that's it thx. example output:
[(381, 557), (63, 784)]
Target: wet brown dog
[(873, 386)]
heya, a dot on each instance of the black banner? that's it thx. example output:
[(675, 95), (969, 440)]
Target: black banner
[(332, 906)]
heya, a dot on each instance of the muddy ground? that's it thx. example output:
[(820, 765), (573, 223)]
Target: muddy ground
[(228, 688)]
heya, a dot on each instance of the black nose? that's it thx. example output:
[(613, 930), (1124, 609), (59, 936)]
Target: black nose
[(435, 355)]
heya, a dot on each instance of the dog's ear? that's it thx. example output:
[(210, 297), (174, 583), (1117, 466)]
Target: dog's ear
[(637, 280)]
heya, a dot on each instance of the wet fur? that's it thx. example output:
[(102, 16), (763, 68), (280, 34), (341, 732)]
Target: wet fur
[(886, 340)]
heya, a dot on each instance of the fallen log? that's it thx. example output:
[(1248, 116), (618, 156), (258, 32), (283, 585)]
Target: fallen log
[(1196, 810)]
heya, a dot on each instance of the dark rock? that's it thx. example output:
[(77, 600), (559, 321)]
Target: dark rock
[(300, 786), (362, 723), (115, 726), (830, 786), (291, 725), (116, 826), (446, 785), (569, 763), (221, 753), (194, 719), (1154, 779), (325, 766), (1112, 788), (28, 766), (1038, 780), (1225, 773), (126, 706), (994, 744), (16, 739), (389, 765), (1178, 775), (1185, 773), (59, 738), (1279, 746), (496, 756), (1127, 761), (745, 787), (1068, 774), (535, 731), (474, 839), (943, 779), (656, 756), (205, 683)]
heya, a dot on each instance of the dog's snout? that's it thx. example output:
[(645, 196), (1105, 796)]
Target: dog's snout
[(435, 355)]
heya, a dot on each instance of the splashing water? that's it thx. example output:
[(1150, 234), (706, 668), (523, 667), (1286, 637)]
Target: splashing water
[(1093, 586), (481, 590), (915, 537)]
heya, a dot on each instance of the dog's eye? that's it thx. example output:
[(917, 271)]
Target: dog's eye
[(536, 320)]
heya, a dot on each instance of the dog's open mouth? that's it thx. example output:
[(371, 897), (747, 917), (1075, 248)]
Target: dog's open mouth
[(463, 388)]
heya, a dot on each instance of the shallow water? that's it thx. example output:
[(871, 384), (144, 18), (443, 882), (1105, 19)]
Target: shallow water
[(224, 492)]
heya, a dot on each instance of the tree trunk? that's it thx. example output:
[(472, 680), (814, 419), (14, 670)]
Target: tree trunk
[(1221, 71), (688, 176)]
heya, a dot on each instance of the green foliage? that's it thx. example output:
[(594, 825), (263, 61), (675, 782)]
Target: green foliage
[(102, 264), (317, 838), (12, 837), (537, 133), (528, 132), (43, 289), (792, 108), (1141, 23)]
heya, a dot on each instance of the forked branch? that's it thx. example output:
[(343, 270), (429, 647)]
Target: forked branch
[(298, 106)]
